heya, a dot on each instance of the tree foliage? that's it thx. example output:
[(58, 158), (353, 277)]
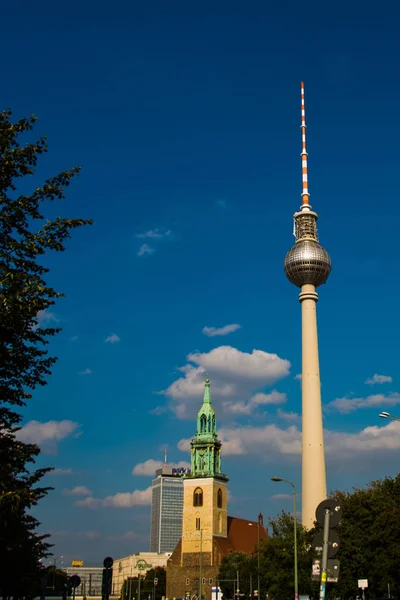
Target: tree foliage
[(276, 563), (369, 539), (147, 588), (238, 568), (26, 237), (277, 559)]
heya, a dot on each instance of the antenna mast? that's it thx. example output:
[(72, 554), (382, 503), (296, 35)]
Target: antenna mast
[(305, 205)]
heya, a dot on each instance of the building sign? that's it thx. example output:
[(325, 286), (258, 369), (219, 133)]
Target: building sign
[(180, 472), (77, 563), (141, 564)]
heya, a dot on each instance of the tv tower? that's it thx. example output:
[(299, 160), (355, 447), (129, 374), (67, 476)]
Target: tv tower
[(307, 265)]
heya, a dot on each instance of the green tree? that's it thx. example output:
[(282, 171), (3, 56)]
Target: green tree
[(234, 566), (277, 559), (369, 539), (26, 238), (160, 589), (147, 588)]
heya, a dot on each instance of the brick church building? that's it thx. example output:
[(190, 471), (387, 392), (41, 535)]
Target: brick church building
[(208, 533)]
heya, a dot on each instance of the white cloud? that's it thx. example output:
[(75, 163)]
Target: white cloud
[(145, 250), (290, 416), (90, 535), (274, 442), (48, 434), (73, 338), (155, 234), (225, 330), (149, 466), (158, 410), (128, 535), (348, 405), (234, 375), (119, 500), (282, 497), (298, 377), (79, 490), (86, 372), (57, 472), (379, 379), (45, 318), (246, 408), (112, 339)]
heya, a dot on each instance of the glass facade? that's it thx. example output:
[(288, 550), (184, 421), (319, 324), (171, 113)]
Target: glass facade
[(166, 513)]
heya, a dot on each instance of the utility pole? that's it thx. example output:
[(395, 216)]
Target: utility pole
[(258, 558), (201, 566), (237, 584)]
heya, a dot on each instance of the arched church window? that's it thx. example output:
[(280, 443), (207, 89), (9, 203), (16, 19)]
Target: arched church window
[(198, 497), (203, 424), (209, 424), (219, 498), (198, 523), (213, 423)]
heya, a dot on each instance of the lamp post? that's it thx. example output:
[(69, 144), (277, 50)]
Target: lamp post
[(201, 566), (258, 559), (296, 583), (54, 571), (386, 415), (258, 554)]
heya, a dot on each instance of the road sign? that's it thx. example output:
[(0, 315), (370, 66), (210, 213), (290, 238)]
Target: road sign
[(363, 583), (316, 569), (333, 543), (74, 581), (332, 571), (108, 562), (334, 509)]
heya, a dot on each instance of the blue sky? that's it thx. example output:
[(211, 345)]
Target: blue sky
[(186, 121)]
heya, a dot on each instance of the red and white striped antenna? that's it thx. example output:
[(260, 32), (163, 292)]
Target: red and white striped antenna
[(305, 205)]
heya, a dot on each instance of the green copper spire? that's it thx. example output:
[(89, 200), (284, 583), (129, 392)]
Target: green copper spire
[(206, 448)]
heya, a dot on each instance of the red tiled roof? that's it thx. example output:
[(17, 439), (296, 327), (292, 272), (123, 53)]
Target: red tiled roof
[(243, 534)]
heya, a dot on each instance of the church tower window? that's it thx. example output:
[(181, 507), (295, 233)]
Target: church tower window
[(219, 498), (203, 424), (198, 523), (198, 497)]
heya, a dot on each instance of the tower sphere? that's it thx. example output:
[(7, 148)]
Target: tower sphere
[(307, 262)]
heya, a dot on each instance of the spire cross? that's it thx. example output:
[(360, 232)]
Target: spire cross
[(305, 205)]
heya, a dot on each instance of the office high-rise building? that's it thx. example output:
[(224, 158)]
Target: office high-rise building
[(166, 509)]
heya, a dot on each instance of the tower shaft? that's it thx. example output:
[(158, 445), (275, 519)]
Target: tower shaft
[(313, 453), (307, 265)]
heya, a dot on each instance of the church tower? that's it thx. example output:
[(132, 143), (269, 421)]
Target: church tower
[(208, 534), (205, 490)]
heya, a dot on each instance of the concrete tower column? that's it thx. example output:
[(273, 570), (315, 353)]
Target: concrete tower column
[(313, 454), (307, 266)]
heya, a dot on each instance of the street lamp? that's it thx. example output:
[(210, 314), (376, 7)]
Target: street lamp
[(54, 571), (258, 555), (296, 582), (386, 415)]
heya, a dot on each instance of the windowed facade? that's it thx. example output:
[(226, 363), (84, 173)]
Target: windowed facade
[(198, 497), (166, 513), (219, 498)]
